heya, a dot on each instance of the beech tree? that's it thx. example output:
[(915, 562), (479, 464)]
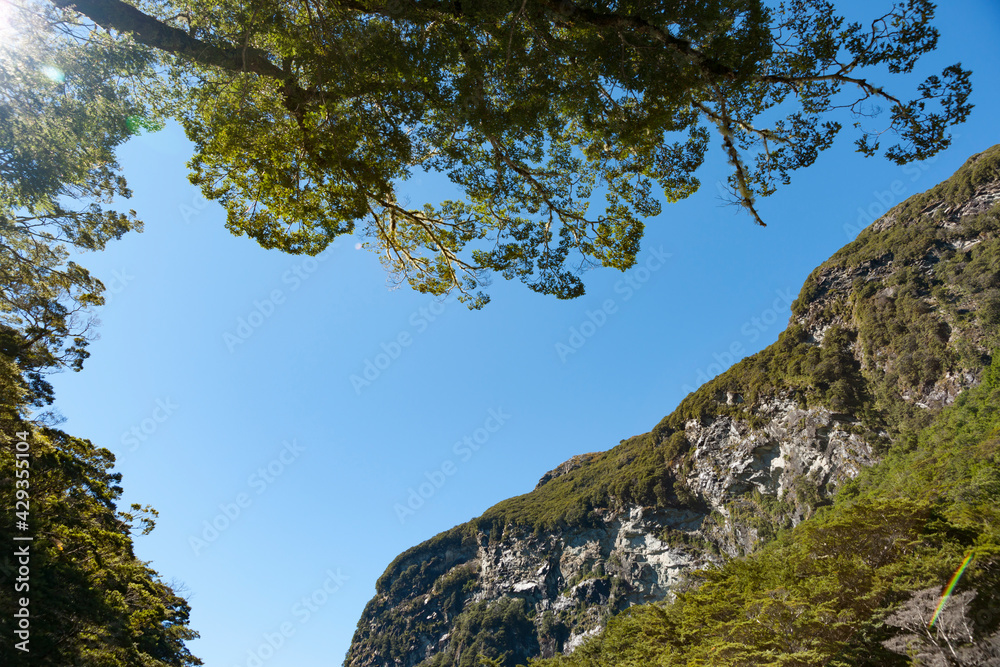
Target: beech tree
[(66, 104), (92, 601), (309, 116)]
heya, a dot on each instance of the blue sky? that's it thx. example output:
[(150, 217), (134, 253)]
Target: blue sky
[(222, 379)]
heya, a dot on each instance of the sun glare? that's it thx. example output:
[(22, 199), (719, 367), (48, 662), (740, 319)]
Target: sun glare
[(9, 24), (7, 27)]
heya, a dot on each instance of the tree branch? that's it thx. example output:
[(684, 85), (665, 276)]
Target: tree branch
[(637, 24), (123, 17)]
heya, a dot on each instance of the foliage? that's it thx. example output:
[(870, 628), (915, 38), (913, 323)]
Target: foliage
[(456, 578), (450, 580), (827, 374), (890, 319), (885, 337), (92, 602), (499, 631), (821, 593), (637, 471), (426, 572), (875, 349), (308, 118), (906, 240), (64, 108), (977, 171), (455, 585)]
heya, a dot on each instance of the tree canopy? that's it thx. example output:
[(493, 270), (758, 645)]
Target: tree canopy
[(92, 602), (309, 116), (66, 103)]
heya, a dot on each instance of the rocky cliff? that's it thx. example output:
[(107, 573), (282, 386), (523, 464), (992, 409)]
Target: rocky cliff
[(882, 336)]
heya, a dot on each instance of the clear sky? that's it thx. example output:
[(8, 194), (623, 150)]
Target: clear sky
[(259, 429)]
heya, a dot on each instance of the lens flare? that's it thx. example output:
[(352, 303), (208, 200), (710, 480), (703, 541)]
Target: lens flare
[(54, 73), (949, 588)]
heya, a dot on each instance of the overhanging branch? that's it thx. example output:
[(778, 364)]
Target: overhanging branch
[(124, 18)]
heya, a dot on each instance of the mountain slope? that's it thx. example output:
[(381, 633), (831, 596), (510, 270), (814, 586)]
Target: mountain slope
[(883, 335), (859, 583)]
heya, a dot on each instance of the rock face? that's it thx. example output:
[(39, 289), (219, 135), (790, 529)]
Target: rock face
[(882, 335), (571, 581)]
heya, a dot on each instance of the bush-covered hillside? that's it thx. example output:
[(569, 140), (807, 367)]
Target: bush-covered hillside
[(936, 311), (829, 591)]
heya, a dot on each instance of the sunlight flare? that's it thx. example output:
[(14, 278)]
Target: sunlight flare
[(8, 27), (949, 588)]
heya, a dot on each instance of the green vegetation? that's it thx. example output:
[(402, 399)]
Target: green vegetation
[(59, 174), (977, 171), (765, 514), (826, 374), (680, 539), (500, 630), (91, 601), (913, 237), (820, 594), (308, 121), (912, 318), (637, 471), (458, 578), (421, 572), (306, 124), (450, 581), (596, 572), (920, 327), (918, 317)]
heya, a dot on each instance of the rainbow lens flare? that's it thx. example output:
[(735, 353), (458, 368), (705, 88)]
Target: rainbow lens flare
[(949, 588)]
